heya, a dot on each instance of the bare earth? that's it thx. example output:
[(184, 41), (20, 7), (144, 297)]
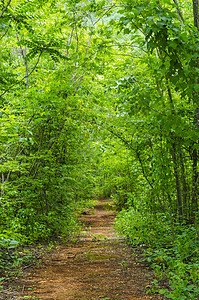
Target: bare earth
[(99, 266)]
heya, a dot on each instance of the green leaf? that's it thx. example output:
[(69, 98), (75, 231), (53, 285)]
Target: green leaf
[(162, 291)]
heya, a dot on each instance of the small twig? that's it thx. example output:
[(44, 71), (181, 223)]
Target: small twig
[(22, 78), (25, 267), (103, 14), (23, 53), (81, 77), (4, 33), (69, 42), (178, 11), (5, 8)]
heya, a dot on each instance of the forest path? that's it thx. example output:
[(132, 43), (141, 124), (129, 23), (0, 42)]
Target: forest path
[(99, 266)]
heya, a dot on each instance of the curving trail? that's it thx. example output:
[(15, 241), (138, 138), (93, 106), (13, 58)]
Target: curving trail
[(98, 266)]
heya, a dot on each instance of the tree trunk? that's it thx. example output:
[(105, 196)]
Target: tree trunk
[(177, 178), (196, 13), (194, 203), (185, 192)]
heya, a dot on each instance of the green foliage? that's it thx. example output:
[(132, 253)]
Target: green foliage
[(101, 98), (14, 257), (45, 174), (171, 248)]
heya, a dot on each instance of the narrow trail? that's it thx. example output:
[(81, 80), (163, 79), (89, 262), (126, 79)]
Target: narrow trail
[(98, 266)]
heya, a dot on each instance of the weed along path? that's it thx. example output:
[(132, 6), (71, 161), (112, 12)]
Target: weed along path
[(98, 266)]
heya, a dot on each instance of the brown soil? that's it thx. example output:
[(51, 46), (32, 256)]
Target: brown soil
[(99, 266)]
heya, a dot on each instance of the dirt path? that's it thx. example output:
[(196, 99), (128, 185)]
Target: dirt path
[(98, 266)]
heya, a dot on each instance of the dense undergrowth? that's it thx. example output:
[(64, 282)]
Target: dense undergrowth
[(101, 97), (21, 248), (14, 257), (170, 247)]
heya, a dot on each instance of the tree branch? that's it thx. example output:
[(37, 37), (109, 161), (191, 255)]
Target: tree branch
[(179, 11), (25, 62), (1, 15), (103, 14), (4, 33), (88, 46), (22, 78)]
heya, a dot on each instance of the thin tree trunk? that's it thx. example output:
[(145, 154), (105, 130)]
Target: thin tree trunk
[(177, 178), (174, 157), (195, 186), (185, 193), (196, 13), (194, 203), (2, 184)]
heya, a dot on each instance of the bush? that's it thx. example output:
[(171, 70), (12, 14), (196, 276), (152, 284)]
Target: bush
[(171, 247)]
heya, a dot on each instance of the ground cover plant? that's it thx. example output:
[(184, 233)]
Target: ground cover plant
[(170, 248), (101, 98)]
